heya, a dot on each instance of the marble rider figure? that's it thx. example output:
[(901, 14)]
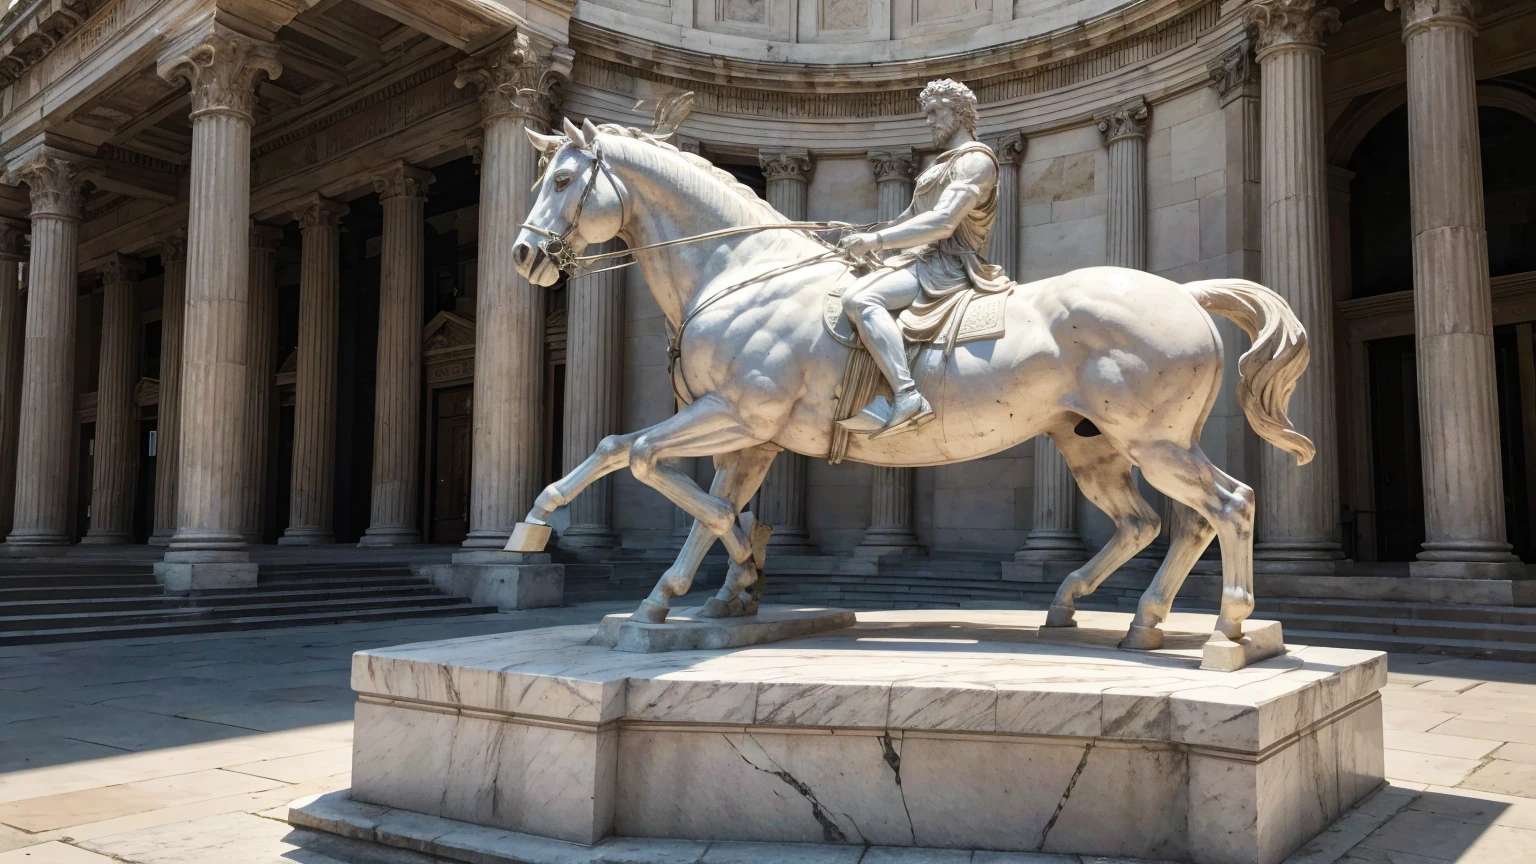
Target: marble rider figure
[(939, 238)]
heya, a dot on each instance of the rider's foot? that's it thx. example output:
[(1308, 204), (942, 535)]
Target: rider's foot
[(910, 411)]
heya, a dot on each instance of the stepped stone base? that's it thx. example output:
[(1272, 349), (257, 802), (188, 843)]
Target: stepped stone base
[(181, 576), (909, 729), (511, 580)]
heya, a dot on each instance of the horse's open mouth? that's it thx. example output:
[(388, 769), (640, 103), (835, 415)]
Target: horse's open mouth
[(534, 265)]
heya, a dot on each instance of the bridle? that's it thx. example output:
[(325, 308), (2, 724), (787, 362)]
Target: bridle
[(557, 247)]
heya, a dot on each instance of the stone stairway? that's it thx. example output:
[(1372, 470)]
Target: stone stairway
[(66, 602), (1481, 631)]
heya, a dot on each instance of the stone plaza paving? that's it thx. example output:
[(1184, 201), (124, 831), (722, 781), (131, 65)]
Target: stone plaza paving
[(187, 749)]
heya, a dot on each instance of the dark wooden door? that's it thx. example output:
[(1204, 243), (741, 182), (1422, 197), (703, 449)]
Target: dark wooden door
[(452, 439)]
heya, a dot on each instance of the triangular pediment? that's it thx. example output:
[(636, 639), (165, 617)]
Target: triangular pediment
[(447, 330), (147, 392), (291, 365)]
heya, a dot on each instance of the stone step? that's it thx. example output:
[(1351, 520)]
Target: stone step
[(78, 593), (319, 583), (1417, 611), (91, 618), (72, 568), (52, 605), (256, 622), (1407, 628), (74, 580), (1476, 648)]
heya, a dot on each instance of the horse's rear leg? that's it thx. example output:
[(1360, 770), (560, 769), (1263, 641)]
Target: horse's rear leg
[(1105, 478), (737, 476), (1187, 475), (1190, 534)]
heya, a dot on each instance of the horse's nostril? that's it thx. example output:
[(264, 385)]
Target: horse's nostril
[(520, 253)]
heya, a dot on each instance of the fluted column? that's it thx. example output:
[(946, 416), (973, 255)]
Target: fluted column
[(781, 499), (394, 509), (12, 338), (514, 81), (261, 346), (47, 390), (313, 486), (892, 491), (173, 314), (1453, 314), (1298, 506), (594, 372), (1124, 128), (222, 68), (114, 466)]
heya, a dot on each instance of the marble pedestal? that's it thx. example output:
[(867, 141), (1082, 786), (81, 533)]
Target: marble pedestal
[(937, 729), (686, 630), (511, 580)]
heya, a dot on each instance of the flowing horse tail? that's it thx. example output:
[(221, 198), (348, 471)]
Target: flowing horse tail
[(1269, 369)]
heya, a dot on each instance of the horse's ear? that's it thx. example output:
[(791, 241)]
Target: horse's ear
[(546, 144), (589, 130), (574, 134)]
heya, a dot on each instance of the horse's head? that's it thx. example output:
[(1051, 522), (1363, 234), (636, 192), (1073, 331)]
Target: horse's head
[(579, 202)]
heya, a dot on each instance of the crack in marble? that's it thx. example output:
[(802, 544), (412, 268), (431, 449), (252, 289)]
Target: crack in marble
[(830, 831), (893, 759), (1061, 805)]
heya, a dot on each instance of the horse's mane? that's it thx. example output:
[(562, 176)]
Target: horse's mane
[(724, 177)]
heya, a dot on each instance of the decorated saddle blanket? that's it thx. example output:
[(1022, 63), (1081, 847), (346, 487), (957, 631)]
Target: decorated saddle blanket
[(974, 317)]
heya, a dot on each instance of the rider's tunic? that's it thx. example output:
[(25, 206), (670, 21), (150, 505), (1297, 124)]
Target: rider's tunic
[(945, 269)]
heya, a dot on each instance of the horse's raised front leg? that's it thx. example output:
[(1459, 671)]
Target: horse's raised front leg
[(532, 533), (1105, 478), (737, 476)]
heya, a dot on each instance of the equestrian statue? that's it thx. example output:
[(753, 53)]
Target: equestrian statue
[(899, 345)]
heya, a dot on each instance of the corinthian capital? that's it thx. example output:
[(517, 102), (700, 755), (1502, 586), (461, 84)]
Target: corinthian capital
[(53, 181), (793, 164), (894, 164), (222, 68), (1235, 71), (515, 79), (117, 268), (1300, 23), (1435, 13), (1010, 148), (1126, 120), (173, 246), (400, 179), (315, 210), (12, 233)]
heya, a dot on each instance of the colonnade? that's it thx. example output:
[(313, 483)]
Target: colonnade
[(220, 313)]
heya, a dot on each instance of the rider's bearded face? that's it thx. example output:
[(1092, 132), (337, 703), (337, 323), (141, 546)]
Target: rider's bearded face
[(943, 122)]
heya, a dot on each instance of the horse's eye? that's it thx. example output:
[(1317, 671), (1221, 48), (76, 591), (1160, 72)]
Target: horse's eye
[(562, 180)]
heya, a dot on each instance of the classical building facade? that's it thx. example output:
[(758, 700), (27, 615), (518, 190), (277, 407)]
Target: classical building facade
[(258, 287)]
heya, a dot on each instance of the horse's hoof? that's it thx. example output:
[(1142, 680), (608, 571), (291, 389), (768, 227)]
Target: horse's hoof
[(1060, 616), (650, 613), (714, 607), (1142, 638), (528, 537)]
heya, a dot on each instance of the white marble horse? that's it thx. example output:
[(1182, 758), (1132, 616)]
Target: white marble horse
[(1135, 354)]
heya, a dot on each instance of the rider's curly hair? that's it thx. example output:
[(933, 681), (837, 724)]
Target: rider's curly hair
[(947, 91)]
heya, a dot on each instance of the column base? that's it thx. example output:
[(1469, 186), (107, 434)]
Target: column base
[(1467, 569), (38, 541), (306, 537), (585, 537), (793, 541), (107, 538), (390, 537), (511, 580), (161, 538), (181, 576), (880, 542), (1301, 567), (487, 538)]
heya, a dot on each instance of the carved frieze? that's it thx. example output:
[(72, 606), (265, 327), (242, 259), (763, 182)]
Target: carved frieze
[(448, 349), (1126, 120), (1235, 72), (53, 182), (792, 164), (222, 68), (514, 78), (898, 164), (1292, 23)]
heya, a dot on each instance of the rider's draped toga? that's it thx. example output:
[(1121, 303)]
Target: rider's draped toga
[(945, 269)]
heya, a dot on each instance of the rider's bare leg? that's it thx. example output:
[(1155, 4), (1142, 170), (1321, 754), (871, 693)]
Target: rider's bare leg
[(870, 305)]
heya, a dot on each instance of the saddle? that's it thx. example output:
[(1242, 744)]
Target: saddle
[(976, 317)]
